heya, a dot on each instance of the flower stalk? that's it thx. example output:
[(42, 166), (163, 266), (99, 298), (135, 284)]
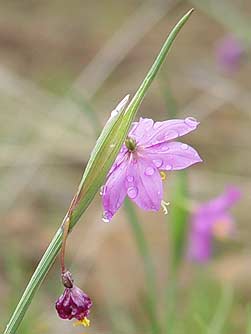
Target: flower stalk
[(64, 238)]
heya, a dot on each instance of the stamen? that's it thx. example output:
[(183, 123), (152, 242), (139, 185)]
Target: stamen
[(85, 322), (162, 175), (164, 207)]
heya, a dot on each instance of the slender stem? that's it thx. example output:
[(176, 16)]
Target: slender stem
[(35, 281), (66, 228), (64, 238), (148, 265)]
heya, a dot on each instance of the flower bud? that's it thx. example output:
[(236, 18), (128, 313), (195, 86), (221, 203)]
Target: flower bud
[(73, 303)]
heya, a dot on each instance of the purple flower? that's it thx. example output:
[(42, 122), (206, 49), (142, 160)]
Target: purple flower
[(209, 220), (229, 53), (138, 170), (73, 303)]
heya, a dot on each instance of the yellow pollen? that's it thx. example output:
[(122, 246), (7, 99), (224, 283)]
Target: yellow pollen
[(85, 322), (162, 175)]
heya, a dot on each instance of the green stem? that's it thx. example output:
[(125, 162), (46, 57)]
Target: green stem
[(147, 262), (35, 281)]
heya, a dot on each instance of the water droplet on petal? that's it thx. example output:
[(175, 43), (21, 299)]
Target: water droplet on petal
[(158, 163), (106, 218), (130, 178), (164, 147), (184, 146), (149, 171), (132, 192), (169, 167), (167, 135), (103, 190), (191, 121)]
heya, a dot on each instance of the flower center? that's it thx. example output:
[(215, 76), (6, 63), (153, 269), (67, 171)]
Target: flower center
[(130, 143)]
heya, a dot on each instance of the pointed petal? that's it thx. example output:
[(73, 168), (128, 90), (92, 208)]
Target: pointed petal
[(141, 129), (146, 188), (168, 130), (114, 190), (148, 133), (172, 156), (223, 202)]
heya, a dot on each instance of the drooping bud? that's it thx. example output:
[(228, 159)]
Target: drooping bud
[(73, 303)]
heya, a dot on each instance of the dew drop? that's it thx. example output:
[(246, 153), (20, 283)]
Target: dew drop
[(114, 113), (191, 121), (106, 218), (158, 163), (172, 134), (149, 171), (184, 146), (102, 190), (120, 107), (130, 178), (169, 167), (132, 192), (164, 147)]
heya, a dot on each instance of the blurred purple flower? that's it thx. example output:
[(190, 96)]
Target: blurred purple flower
[(209, 220), (73, 303), (137, 171), (229, 53)]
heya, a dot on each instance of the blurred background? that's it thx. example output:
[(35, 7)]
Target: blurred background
[(64, 65)]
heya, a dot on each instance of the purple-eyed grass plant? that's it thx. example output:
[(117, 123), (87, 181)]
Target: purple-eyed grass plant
[(101, 160)]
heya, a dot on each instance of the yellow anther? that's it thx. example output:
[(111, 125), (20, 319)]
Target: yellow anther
[(162, 175), (85, 322)]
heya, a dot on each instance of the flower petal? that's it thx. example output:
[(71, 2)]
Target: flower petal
[(172, 156), (141, 129), (200, 246), (168, 130), (144, 184), (223, 202), (120, 157), (114, 190)]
